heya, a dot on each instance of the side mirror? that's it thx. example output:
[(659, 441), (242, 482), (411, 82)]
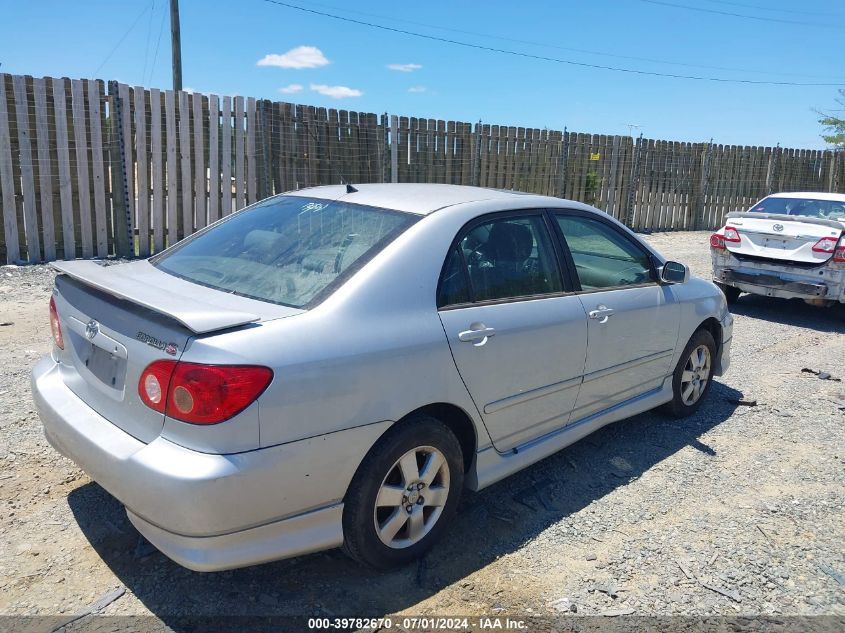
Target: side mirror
[(674, 273)]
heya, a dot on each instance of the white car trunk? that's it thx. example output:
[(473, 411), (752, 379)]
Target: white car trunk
[(781, 237)]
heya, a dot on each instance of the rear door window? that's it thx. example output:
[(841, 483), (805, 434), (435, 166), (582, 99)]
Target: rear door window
[(288, 250), (505, 258)]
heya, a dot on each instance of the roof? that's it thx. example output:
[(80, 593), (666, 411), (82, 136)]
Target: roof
[(813, 195), (408, 197)]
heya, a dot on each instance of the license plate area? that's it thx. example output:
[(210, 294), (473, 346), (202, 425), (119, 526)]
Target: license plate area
[(100, 357), (104, 366)]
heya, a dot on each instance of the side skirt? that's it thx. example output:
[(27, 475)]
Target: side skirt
[(492, 466)]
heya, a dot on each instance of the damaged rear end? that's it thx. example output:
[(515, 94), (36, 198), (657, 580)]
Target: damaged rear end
[(787, 246)]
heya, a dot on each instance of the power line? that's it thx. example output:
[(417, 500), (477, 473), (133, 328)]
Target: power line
[(505, 51), (120, 41), (158, 41), (740, 15), (558, 47), (775, 9), (149, 35)]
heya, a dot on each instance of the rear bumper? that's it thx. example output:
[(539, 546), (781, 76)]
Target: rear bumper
[(210, 511), (794, 283)]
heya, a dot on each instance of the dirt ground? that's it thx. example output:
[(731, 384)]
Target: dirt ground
[(735, 511)]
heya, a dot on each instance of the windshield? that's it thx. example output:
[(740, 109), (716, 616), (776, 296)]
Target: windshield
[(287, 250), (825, 209)]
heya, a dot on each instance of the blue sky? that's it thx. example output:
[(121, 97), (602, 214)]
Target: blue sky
[(222, 43)]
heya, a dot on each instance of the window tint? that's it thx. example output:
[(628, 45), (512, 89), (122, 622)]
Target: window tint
[(285, 250), (506, 258), (604, 257), (454, 283)]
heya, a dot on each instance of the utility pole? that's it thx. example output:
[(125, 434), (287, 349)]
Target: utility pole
[(176, 44)]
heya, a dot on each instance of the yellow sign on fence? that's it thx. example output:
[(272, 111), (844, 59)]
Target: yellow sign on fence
[(596, 156)]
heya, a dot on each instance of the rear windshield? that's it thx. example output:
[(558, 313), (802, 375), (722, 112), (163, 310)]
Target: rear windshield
[(288, 250), (825, 209)]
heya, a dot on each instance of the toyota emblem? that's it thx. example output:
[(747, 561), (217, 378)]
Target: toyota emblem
[(778, 227), (92, 329)]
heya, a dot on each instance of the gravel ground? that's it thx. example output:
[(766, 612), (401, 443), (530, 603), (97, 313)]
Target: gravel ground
[(737, 510)]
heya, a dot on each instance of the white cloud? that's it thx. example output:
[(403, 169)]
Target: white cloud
[(189, 89), (417, 89), (404, 68), (299, 57), (291, 89), (336, 92)]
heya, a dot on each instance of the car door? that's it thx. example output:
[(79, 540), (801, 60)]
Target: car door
[(632, 320), (517, 336)]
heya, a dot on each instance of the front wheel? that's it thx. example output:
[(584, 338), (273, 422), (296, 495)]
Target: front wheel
[(404, 494), (693, 375)]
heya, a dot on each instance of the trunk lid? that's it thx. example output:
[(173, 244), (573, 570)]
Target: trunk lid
[(117, 319), (781, 237)]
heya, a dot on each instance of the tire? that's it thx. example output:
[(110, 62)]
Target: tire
[(684, 402), (389, 474), (731, 293)]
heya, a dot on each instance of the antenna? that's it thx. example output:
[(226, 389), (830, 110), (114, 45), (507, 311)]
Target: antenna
[(350, 189)]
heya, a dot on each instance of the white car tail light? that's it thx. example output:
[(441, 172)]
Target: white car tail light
[(839, 253), (731, 235), (825, 245), (717, 242)]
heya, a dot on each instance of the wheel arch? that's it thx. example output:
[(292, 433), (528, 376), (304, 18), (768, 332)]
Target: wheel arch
[(458, 421), (712, 325)]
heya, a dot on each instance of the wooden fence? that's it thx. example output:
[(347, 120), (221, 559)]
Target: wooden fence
[(93, 169)]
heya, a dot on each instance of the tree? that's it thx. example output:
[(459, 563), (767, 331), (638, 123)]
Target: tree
[(834, 126)]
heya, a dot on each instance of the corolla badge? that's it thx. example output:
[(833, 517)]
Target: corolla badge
[(92, 329), (778, 227), (152, 341)]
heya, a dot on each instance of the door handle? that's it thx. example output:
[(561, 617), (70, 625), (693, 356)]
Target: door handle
[(601, 313), (479, 333)]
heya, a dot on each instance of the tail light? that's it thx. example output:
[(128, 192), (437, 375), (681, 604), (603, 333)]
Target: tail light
[(839, 253), (825, 245), (717, 241), (55, 326), (731, 234), (201, 394)]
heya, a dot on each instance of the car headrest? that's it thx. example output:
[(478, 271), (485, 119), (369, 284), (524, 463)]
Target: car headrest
[(510, 242)]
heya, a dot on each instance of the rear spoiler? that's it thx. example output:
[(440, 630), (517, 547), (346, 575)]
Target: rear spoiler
[(143, 284), (835, 224)]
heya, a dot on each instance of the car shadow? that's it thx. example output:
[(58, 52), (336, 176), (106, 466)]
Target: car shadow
[(490, 523), (791, 312)]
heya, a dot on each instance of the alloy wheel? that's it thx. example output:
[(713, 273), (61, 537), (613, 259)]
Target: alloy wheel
[(695, 375), (411, 497)]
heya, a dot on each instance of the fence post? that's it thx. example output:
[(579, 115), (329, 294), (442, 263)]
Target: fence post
[(263, 113), (701, 185), (124, 245), (831, 180), (394, 148), (564, 150), (633, 183), (772, 173), (476, 155), (612, 186)]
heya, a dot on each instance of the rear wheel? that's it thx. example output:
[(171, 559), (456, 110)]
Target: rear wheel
[(404, 494), (731, 293), (693, 375)]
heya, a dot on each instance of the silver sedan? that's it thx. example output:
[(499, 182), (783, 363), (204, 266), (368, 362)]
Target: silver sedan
[(332, 366)]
